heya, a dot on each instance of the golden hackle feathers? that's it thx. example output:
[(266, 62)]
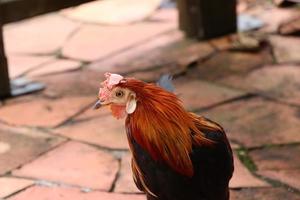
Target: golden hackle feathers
[(162, 127)]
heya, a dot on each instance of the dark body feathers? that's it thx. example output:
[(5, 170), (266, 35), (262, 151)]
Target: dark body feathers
[(213, 168)]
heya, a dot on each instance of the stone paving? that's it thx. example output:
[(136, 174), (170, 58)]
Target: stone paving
[(54, 146)]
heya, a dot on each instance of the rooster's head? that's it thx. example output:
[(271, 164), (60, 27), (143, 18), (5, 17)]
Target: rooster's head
[(122, 100)]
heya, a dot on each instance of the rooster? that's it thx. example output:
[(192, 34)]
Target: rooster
[(176, 155)]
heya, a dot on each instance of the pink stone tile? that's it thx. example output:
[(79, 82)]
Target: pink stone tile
[(91, 113), (75, 83), (20, 64), (279, 163), (277, 158), (93, 42), (57, 66), (9, 185), (274, 17), (40, 35), (279, 82), (242, 178), (44, 193), (246, 122), (168, 53), (264, 194), (289, 177), (75, 164), (125, 11), (125, 183), (21, 145), (197, 94), (228, 63), (123, 61), (43, 112), (286, 48), (104, 131), (291, 27)]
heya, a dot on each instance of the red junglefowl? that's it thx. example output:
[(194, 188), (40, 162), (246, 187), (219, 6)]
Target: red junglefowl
[(176, 155)]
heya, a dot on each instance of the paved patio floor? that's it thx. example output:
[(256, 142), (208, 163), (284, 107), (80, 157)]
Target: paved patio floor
[(54, 146)]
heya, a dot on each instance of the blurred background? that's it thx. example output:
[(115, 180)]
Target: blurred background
[(235, 62)]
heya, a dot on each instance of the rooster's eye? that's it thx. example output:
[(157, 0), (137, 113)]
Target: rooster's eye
[(119, 93)]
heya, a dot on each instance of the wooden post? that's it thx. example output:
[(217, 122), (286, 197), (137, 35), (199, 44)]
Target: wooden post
[(204, 19), (4, 77)]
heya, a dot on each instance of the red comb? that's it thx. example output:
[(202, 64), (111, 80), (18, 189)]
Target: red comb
[(107, 85)]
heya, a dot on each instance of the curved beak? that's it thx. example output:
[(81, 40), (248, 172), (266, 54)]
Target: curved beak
[(97, 105)]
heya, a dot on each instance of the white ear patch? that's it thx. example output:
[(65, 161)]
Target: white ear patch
[(131, 104)]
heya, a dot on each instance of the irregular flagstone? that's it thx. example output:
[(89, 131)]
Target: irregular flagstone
[(19, 146), (256, 122), (39, 35), (93, 42), (285, 48), (291, 27), (43, 112), (125, 183), (172, 58), (197, 94), (263, 194), (104, 131), (277, 158), (279, 82), (242, 178), (152, 76), (20, 64), (91, 113), (75, 164), (77, 83), (279, 163), (57, 66), (274, 17), (122, 62), (289, 177), (56, 193), (125, 11), (228, 63), (9, 185)]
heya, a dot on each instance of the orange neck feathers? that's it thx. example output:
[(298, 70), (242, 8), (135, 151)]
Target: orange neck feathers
[(162, 126)]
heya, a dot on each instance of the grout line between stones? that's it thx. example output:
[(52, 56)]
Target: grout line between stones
[(19, 191), (117, 176)]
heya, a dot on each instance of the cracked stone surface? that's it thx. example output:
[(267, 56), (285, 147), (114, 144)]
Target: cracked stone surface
[(279, 163), (226, 63), (104, 131), (15, 142), (197, 94), (76, 164), (20, 64), (9, 185), (44, 193), (264, 194), (274, 17), (75, 83), (257, 122), (43, 113), (57, 66), (242, 178), (280, 82), (86, 44), (285, 49), (125, 183), (39, 35)]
